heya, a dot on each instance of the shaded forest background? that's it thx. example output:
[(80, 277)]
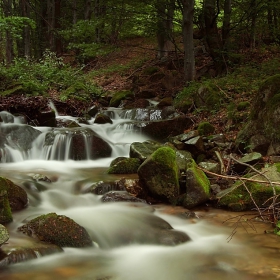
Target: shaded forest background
[(87, 49)]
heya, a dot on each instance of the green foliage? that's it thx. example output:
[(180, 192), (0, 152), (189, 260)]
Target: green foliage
[(15, 25), (49, 73), (205, 128)]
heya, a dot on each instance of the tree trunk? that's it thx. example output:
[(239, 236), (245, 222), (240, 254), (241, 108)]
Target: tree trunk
[(165, 14), (212, 36), (7, 9), (187, 28), (226, 22), (253, 25), (25, 11), (75, 16)]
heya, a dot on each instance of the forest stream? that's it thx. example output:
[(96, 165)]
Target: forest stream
[(215, 251)]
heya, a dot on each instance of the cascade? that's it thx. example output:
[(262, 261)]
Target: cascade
[(208, 255)]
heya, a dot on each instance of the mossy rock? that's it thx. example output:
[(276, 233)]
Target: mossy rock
[(57, 229), (159, 174), (237, 198), (264, 117), (205, 128), (197, 187), (208, 97), (119, 96), (17, 196), (124, 166)]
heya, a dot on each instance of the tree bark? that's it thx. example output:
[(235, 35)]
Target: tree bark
[(212, 36), (187, 28), (226, 22), (165, 13), (9, 53)]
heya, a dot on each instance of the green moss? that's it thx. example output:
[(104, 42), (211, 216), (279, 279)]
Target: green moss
[(150, 70), (5, 209), (205, 128), (237, 197), (277, 165), (164, 155), (243, 105), (200, 176), (124, 166), (119, 96)]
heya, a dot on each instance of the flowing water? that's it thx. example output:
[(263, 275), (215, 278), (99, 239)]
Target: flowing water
[(209, 254)]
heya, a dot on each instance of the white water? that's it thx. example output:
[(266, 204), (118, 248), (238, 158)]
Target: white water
[(207, 256)]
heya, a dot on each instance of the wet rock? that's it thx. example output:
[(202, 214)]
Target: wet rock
[(117, 196), (159, 174), (143, 150), (93, 111), (102, 118), (6, 117), (101, 187), (172, 237), (85, 144), (18, 136), (47, 118), (163, 129), (16, 253), (57, 229), (17, 196), (124, 166)]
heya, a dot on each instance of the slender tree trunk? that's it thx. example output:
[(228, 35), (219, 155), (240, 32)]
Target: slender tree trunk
[(165, 13), (187, 28), (213, 39), (226, 21), (7, 9), (25, 10), (253, 25), (88, 9), (75, 16)]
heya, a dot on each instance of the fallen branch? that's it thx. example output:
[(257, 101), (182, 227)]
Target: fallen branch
[(230, 177)]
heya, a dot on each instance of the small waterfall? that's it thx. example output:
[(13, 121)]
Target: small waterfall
[(84, 142)]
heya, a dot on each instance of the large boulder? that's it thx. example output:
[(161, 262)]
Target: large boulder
[(5, 209), (159, 174), (263, 126), (57, 229)]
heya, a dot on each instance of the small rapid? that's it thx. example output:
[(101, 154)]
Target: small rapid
[(124, 234)]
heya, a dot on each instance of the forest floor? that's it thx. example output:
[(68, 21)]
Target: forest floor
[(133, 58)]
